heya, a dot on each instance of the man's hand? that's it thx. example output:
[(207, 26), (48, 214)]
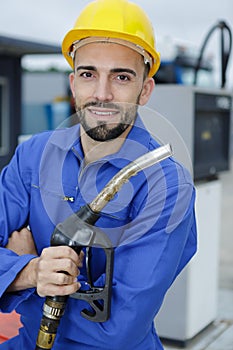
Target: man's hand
[(21, 242), (58, 269), (55, 272)]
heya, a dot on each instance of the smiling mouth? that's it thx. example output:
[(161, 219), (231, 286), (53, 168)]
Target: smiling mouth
[(103, 112)]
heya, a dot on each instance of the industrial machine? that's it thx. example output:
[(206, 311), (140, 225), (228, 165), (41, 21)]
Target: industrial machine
[(202, 116), (203, 119)]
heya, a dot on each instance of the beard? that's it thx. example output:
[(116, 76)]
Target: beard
[(105, 131)]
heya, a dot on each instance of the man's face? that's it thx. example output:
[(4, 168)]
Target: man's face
[(107, 86)]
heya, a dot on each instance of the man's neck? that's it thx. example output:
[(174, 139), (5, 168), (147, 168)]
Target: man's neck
[(94, 150)]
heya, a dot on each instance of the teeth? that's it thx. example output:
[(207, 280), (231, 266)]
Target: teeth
[(104, 113)]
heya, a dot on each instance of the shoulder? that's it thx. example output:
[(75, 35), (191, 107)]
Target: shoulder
[(62, 139), (35, 143)]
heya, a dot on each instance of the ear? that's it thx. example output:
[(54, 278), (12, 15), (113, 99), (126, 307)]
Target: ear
[(148, 87), (72, 84)]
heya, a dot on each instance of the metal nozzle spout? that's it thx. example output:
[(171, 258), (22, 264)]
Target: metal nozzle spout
[(114, 185)]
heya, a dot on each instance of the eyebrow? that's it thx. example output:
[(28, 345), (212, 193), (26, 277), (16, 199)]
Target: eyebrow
[(85, 68), (113, 70), (123, 70)]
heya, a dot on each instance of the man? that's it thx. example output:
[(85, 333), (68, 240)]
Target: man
[(151, 221)]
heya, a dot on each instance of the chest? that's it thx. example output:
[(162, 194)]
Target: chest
[(63, 190)]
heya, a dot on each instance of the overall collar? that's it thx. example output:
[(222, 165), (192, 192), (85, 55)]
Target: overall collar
[(136, 143)]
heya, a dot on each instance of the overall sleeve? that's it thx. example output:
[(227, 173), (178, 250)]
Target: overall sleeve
[(14, 204)]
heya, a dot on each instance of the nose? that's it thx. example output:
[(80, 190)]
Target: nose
[(103, 90)]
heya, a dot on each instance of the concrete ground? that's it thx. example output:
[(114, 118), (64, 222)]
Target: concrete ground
[(219, 335)]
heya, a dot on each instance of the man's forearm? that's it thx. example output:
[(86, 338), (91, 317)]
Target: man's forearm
[(26, 278), (21, 242)]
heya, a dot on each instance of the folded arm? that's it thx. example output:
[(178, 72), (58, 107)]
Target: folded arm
[(44, 272)]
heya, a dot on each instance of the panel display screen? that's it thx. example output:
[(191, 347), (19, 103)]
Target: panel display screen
[(212, 126)]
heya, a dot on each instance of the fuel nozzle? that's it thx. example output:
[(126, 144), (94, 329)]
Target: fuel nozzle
[(77, 232)]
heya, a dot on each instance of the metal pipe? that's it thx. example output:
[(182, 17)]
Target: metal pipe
[(115, 184)]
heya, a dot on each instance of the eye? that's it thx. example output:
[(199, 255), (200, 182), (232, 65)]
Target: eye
[(86, 75), (123, 77)]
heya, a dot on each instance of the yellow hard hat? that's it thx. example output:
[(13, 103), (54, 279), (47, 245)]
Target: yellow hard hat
[(118, 21)]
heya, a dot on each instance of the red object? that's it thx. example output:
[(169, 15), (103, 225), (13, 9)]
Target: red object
[(9, 325)]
